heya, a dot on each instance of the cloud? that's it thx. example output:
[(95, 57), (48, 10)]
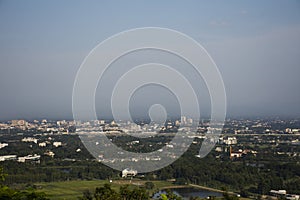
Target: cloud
[(219, 23), (243, 12)]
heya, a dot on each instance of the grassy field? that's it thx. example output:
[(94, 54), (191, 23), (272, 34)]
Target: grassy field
[(70, 190)]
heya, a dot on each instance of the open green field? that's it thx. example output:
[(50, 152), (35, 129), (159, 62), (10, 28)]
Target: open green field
[(73, 189)]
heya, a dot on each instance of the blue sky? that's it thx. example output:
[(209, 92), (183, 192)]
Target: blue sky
[(256, 45)]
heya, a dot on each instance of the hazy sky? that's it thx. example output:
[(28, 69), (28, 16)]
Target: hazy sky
[(256, 45)]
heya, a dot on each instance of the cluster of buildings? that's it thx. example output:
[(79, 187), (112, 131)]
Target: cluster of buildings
[(42, 144), (32, 158), (282, 194), (227, 143), (61, 126), (262, 126), (232, 126), (232, 130)]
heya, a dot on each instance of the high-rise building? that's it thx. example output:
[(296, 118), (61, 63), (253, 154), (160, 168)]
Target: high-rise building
[(183, 120), (18, 122)]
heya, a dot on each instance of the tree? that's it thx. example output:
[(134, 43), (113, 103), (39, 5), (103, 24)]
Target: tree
[(2, 175), (87, 195), (169, 196), (149, 185), (139, 194), (263, 187), (106, 193), (226, 196), (125, 192), (135, 194), (6, 193)]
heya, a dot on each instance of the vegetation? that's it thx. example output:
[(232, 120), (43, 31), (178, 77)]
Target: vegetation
[(72, 189), (7, 193), (248, 176)]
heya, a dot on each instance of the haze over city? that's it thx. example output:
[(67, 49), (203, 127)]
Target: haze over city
[(256, 46), (150, 100)]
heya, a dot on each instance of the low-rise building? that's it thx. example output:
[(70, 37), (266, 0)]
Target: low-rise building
[(128, 172), (230, 140), (218, 149), (29, 139), (34, 157), (57, 144), (292, 196), (49, 153), (2, 145), (42, 144), (8, 157)]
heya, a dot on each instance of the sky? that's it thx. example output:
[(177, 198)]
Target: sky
[(255, 44)]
